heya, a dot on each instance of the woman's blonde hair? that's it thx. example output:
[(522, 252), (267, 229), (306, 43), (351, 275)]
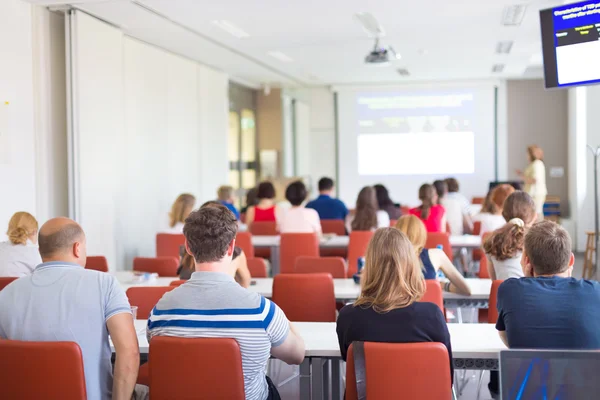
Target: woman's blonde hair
[(392, 277), (415, 231), (535, 152), (21, 226), (182, 207)]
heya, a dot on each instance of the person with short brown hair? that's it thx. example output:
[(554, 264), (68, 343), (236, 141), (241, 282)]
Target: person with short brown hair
[(265, 209), (458, 209), (549, 309)]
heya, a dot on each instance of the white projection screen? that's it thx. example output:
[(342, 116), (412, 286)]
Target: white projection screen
[(404, 137)]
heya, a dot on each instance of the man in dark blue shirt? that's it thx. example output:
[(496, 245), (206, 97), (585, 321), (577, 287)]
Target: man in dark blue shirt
[(326, 206), (548, 309)]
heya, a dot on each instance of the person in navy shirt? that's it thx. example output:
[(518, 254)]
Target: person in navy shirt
[(326, 206), (226, 197), (548, 309)]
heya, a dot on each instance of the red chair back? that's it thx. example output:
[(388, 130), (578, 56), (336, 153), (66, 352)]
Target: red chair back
[(434, 239), (433, 293), (336, 226), (357, 247), (163, 266), (477, 200), (41, 370), (243, 240), (305, 297), (335, 266), (264, 228), (207, 368), (257, 267), (393, 223), (146, 297), (178, 282), (97, 263), (407, 369), (477, 228), (168, 244), (484, 272), (7, 280), (493, 303), (294, 245)]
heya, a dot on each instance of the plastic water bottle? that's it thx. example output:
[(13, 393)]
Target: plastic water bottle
[(440, 274)]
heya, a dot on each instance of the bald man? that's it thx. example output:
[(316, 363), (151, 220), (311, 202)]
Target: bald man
[(62, 301)]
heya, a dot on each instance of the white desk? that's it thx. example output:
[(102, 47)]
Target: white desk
[(125, 278)]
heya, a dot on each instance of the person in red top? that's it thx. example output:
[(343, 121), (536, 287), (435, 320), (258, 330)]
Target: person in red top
[(433, 215), (266, 210)]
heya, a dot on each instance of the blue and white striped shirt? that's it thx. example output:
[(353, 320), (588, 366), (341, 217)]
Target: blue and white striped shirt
[(212, 304)]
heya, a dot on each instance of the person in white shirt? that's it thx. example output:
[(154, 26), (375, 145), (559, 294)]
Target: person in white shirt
[(181, 208), (490, 216), (298, 219), (458, 209), (19, 255), (535, 179), (367, 216)]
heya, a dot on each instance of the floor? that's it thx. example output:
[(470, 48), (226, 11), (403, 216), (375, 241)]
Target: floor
[(287, 378)]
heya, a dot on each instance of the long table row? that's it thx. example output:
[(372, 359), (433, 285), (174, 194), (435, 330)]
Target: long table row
[(474, 346)]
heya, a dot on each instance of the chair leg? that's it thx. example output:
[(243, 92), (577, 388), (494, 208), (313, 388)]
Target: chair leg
[(454, 392), (479, 383)]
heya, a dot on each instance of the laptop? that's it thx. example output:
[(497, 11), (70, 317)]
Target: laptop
[(549, 374)]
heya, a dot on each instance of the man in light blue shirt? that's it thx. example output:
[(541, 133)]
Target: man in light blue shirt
[(62, 301)]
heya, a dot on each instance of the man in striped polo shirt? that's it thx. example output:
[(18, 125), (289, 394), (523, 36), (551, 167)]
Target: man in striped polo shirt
[(212, 304)]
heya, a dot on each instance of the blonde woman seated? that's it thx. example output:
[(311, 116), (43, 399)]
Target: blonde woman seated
[(388, 308), (367, 216), (183, 206), (19, 255), (505, 247), (490, 216), (431, 260)]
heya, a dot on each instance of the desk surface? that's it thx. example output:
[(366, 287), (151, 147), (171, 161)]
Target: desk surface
[(345, 289), (469, 341)]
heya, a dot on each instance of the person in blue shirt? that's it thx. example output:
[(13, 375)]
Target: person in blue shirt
[(326, 206), (226, 197)]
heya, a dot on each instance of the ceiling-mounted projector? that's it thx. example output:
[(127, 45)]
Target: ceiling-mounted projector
[(381, 55)]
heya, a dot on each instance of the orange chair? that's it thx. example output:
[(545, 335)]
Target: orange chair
[(5, 281), (335, 266), (207, 368), (305, 297), (483, 273), (146, 297), (335, 226), (405, 369), (294, 245), (493, 303), (168, 244), (477, 200), (29, 370), (97, 263), (257, 267), (357, 247), (263, 228), (243, 240), (433, 293), (163, 266), (178, 282), (478, 254), (477, 228), (434, 239), (393, 222)]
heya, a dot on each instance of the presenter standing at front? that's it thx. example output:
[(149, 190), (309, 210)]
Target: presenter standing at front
[(535, 178)]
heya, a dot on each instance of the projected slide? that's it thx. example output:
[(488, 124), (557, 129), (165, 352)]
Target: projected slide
[(421, 133)]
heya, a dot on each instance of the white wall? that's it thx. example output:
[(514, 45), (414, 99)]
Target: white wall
[(150, 125)]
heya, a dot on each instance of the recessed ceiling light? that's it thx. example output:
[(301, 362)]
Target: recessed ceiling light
[(280, 56), (513, 15), (497, 68), (504, 47), (230, 28)]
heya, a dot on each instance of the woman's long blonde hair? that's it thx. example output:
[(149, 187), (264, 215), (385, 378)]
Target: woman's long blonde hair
[(415, 231), (182, 207), (21, 227), (391, 277)]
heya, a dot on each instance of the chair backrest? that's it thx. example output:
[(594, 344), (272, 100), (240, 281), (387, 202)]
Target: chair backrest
[(264, 228), (6, 280), (484, 272), (207, 368), (178, 282), (336, 226), (433, 293), (257, 267), (97, 263), (305, 297), (410, 370), (146, 297), (493, 303), (393, 222), (163, 266), (477, 200), (434, 239), (357, 247), (294, 245), (41, 370), (243, 240), (335, 266), (477, 228), (168, 244)]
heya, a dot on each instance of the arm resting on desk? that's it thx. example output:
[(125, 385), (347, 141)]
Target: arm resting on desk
[(127, 351), (291, 351), (459, 285)]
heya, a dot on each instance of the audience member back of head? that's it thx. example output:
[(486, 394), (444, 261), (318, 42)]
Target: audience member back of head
[(326, 206)]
